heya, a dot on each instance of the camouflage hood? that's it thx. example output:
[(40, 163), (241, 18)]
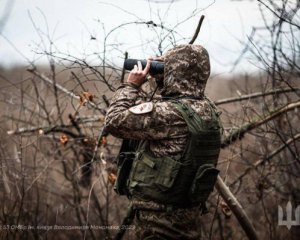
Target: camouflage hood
[(187, 69)]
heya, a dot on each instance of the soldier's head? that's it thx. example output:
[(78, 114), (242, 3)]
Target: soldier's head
[(186, 71)]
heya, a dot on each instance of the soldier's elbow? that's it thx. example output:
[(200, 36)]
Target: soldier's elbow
[(112, 126)]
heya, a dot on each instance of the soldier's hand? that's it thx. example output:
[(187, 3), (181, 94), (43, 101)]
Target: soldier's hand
[(137, 76)]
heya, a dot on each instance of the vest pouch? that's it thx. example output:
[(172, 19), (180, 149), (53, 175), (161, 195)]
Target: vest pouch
[(168, 172), (151, 177), (203, 183)]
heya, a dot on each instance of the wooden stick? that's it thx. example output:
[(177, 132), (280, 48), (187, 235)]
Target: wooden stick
[(197, 30), (236, 208)]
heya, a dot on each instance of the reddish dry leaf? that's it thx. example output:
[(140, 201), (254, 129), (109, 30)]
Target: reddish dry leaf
[(64, 139), (84, 97), (225, 209), (82, 100), (112, 178), (103, 141)]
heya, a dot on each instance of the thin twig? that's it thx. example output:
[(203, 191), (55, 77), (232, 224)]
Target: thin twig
[(260, 162)]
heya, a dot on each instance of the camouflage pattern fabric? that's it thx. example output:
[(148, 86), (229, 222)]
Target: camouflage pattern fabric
[(187, 69), (180, 224), (186, 72), (154, 222)]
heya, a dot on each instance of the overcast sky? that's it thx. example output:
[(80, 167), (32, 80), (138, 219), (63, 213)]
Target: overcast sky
[(72, 23)]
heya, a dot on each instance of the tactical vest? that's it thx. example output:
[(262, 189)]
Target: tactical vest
[(184, 180)]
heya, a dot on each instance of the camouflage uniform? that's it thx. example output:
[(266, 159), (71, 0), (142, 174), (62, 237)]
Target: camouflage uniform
[(187, 69)]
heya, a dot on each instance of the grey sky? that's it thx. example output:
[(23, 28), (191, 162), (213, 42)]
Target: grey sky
[(71, 24)]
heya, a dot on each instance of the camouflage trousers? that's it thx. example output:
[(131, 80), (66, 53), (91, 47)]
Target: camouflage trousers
[(170, 225)]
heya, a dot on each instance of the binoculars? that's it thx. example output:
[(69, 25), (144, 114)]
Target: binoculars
[(156, 67)]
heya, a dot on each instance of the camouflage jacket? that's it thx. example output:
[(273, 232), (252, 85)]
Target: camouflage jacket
[(187, 69)]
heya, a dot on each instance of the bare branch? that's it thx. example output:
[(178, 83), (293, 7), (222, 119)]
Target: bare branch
[(239, 133), (41, 130), (255, 95), (62, 89)]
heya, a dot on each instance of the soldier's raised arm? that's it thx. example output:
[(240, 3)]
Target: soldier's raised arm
[(147, 120)]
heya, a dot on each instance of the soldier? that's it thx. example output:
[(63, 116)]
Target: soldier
[(173, 170)]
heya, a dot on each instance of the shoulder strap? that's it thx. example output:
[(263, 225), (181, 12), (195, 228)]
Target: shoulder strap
[(215, 113), (192, 119), (214, 110)]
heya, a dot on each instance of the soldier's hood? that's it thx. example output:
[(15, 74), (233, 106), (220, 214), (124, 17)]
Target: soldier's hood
[(187, 69)]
